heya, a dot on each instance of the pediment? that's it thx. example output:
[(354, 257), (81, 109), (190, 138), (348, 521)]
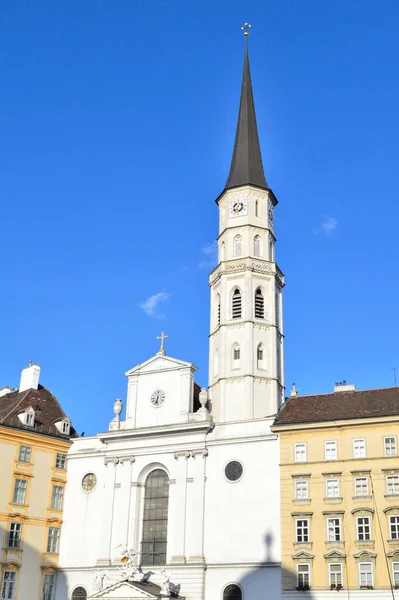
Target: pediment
[(303, 554), (335, 554), (129, 591), (365, 552), (160, 362)]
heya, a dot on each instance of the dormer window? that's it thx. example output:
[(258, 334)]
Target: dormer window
[(28, 417), (64, 426)]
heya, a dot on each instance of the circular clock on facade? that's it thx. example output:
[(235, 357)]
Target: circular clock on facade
[(270, 214), (157, 398), (238, 207), (89, 482)]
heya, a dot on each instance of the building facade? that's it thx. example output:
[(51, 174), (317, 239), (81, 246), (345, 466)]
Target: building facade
[(339, 464), (34, 441), (169, 501)]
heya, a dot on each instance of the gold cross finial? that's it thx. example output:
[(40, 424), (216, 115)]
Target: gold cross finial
[(245, 28), (162, 337)]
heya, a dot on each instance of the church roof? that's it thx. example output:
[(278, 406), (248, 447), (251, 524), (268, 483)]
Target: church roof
[(246, 164), (362, 404), (46, 406)]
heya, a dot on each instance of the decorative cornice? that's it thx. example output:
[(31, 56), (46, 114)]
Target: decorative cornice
[(119, 460), (246, 264)]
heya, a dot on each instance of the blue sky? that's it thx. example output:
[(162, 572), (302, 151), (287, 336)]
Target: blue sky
[(117, 123)]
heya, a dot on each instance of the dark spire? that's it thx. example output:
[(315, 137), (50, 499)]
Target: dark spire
[(246, 163)]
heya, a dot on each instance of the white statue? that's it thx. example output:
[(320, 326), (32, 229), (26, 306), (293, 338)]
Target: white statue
[(165, 586), (99, 580)]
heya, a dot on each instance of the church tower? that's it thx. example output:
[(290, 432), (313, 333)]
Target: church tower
[(246, 358)]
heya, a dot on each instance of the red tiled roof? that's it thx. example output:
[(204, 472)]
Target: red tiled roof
[(47, 411), (360, 404)]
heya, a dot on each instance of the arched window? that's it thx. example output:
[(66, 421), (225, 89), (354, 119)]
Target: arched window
[(271, 251), (79, 593), (236, 356), (259, 304), (237, 245), (155, 518), (257, 245), (257, 208), (277, 309), (217, 310), (232, 592), (236, 304), (259, 356), (222, 247)]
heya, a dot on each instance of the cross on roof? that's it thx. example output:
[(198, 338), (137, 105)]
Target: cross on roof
[(162, 337)]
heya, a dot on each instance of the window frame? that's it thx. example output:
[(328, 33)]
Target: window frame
[(45, 594), (300, 530), (335, 526), (341, 573), (371, 571), (390, 437), (60, 459), (395, 527), (16, 492), (236, 305), (5, 584), (14, 534), (358, 525), (305, 452), (227, 592), (148, 556), (257, 246), (25, 454), (330, 487), (394, 564), (54, 497), (335, 450), (302, 585), (237, 246), (355, 479), (305, 484), (53, 540), (395, 492), (354, 448)]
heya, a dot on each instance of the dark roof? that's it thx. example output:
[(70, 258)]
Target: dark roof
[(46, 407), (362, 404), (246, 163)]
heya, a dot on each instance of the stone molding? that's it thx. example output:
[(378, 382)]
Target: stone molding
[(246, 264), (191, 453), (119, 460)]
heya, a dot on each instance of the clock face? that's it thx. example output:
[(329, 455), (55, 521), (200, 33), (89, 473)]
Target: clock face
[(89, 482), (157, 398), (271, 214), (237, 207)]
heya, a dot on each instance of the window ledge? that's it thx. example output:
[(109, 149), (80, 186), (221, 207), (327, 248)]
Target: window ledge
[(336, 544), (393, 542), (369, 543), (303, 545), (337, 500), (302, 502), (361, 498), (391, 496)]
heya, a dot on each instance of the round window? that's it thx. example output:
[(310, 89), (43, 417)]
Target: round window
[(234, 470), (89, 482)]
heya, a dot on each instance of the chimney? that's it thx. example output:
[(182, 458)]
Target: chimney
[(342, 386), (30, 377), (293, 391)]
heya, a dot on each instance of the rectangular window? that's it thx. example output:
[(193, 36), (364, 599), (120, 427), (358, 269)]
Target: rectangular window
[(14, 535), (365, 574), (24, 453), (330, 451), (53, 539), (390, 445), (332, 488), (395, 573), (48, 586), (57, 496), (333, 529), (300, 453), (335, 571), (392, 485), (20, 491), (301, 490), (359, 448), (394, 527), (60, 461), (302, 530), (363, 528), (8, 585), (361, 486), (303, 576)]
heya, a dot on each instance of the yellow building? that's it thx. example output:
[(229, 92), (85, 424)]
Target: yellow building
[(339, 468), (34, 441)]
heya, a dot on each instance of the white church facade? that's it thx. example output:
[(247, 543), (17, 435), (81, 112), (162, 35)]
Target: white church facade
[(181, 498)]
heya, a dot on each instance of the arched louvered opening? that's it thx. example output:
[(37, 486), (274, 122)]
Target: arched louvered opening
[(257, 249), (236, 304), (222, 249), (237, 245), (271, 250), (259, 356), (79, 593), (236, 356), (259, 304), (218, 310), (257, 208), (232, 592), (155, 518)]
